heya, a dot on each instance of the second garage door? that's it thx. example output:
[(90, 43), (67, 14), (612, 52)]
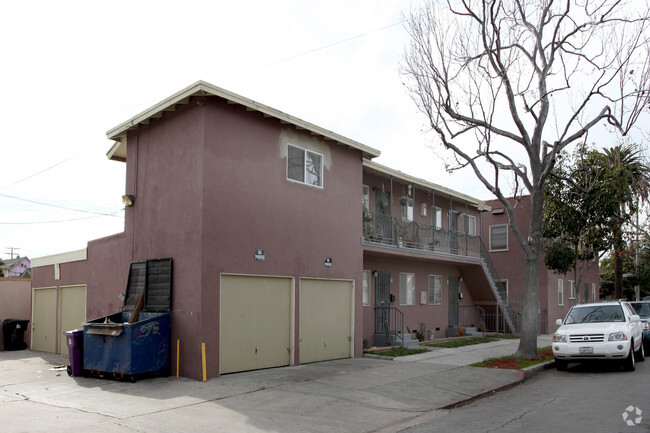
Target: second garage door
[(326, 325), (255, 327)]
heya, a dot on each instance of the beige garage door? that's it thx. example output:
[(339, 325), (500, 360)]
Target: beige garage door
[(326, 326), (44, 320), (72, 312), (255, 327)]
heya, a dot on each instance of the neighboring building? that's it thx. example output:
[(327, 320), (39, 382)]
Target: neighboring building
[(15, 293), (20, 267), (274, 260), (557, 293)]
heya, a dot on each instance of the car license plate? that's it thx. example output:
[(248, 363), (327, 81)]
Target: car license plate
[(586, 350)]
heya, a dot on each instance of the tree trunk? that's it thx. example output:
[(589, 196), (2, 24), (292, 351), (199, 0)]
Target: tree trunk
[(530, 313)]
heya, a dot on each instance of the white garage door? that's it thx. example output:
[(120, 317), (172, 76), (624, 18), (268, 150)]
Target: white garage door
[(255, 327), (44, 320), (326, 319), (72, 312), (70, 308)]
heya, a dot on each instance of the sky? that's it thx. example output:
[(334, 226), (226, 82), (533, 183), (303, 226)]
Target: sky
[(71, 70)]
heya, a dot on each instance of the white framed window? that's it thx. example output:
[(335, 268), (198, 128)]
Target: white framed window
[(407, 209), (436, 217), (365, 197), (435, 289), (572, 289), (560, 292), (366, 288), (502, 288), (406, 289), (593, 291), (470, 225), (304, 166), (499, 237)]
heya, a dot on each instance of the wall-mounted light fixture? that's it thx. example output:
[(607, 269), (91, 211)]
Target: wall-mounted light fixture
[(127, 200)]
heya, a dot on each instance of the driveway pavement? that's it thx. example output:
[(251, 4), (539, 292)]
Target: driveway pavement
[(349, 395)]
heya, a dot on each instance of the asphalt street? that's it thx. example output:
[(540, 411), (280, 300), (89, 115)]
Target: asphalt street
[(587, 398)]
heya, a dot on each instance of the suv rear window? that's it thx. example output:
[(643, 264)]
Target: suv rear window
[(642, 308), (595, 313)]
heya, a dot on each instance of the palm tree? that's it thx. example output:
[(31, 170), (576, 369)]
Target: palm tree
[(627, 179)]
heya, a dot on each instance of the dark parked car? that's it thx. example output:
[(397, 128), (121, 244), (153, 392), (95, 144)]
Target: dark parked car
[(643, 310)]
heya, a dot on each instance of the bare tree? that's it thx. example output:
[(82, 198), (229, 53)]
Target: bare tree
[(508, 84)]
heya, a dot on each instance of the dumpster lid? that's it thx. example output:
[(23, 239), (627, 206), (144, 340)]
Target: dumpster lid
[(154, 276)]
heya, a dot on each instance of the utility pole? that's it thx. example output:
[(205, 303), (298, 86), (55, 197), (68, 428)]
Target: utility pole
[(637, 289), (10, 251)]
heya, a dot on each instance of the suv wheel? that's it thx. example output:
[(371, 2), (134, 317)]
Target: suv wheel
[(629, 364), (640, 354)]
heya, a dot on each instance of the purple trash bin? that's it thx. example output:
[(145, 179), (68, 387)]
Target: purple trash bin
[(75, 341)]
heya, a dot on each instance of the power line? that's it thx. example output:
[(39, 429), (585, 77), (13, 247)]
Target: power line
[(44, 170), (62, 221), (286, 59), (57, 206)]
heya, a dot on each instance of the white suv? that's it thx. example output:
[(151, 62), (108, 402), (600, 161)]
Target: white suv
[(606, 330)]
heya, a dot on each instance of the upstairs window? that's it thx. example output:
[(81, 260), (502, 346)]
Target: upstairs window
[(407, 208), (436, 217), (304, 166), (470, 225), (499, 237)]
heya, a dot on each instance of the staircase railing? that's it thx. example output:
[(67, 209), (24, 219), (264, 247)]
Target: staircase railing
[(389, 321), (493, 276)]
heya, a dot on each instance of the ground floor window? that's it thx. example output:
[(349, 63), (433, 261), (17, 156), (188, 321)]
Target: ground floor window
[(572, 289), (435, 289), (406, 289), (502, 288), (593, 291), (366, 287), (560, 292)]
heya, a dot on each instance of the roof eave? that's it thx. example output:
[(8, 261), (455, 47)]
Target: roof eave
[(479, 204), (119, 132)]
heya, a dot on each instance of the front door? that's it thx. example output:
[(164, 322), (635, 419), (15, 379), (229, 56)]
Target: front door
[(382, 299), (453, 301)]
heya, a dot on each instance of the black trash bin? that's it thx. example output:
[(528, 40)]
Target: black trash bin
[(13, 331)]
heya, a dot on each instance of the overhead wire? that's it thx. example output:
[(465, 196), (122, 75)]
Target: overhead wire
[(57, 206)]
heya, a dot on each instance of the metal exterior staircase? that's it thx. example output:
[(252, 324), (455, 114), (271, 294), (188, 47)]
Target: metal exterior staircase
[(493, 276)]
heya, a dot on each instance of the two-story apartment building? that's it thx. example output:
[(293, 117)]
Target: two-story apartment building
[(275, 261)]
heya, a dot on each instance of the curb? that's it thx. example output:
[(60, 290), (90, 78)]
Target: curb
[(371, 356), (521, 375), (531, 371)]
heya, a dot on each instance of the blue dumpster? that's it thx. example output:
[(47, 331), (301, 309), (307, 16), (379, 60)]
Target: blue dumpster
[(117, 346)]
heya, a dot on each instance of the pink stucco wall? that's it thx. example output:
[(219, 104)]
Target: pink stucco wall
[(16, 303), (248, 203)]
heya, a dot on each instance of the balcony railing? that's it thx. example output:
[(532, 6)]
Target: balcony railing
[(387, 230)]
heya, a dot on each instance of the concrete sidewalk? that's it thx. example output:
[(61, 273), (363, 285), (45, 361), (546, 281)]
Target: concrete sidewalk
[(349, 395)]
